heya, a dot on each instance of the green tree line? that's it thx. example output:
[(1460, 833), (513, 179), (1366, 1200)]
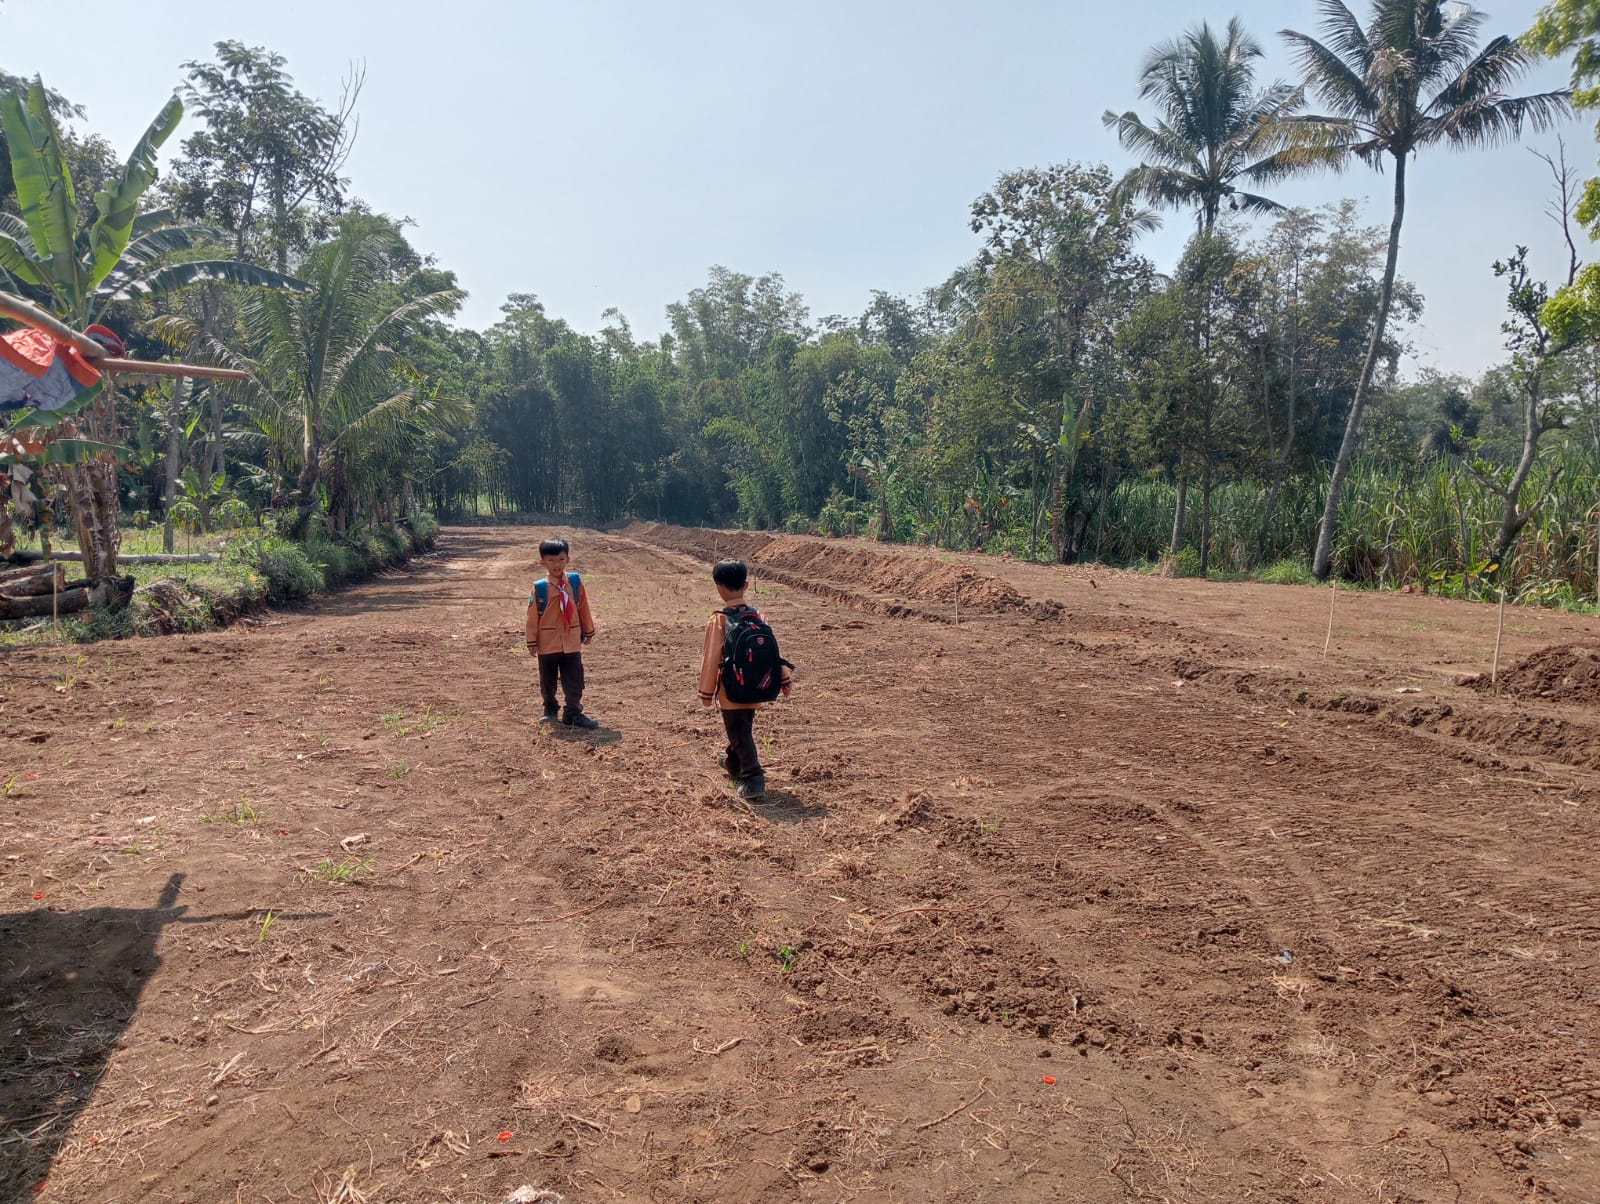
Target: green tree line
[(1055, 397)]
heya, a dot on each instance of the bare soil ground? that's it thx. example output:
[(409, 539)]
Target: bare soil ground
[(1116, 890)]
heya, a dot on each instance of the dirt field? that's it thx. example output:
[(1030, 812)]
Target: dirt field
[(1116, 890)]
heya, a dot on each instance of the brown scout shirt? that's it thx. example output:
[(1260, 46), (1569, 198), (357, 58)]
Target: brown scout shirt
[(547, 633)]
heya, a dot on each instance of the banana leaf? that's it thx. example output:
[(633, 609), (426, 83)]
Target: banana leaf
[(180, 275), (15, 261), (117, 205), (45, 419), (69, 451), (44, 187)]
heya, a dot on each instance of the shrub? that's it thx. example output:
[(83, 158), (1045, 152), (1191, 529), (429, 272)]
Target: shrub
[(339, 562), (392, 547), (424, 527), (288, 570), (115, 624), (1185, 564), (1294, 571)]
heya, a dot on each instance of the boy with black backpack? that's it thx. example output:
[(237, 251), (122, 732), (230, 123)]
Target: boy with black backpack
[(559, 625), (740, 669)]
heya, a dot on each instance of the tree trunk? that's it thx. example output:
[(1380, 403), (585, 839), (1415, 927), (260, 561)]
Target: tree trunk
[(1280, 456), (1179, 511), (180, 389), (1322, 561), (1057, 495), (81, 504), (310, 474), (1512, 520)]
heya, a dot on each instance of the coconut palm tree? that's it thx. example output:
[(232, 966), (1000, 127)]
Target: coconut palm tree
[(331, 367), (1414, 77), (1216, 132), (1215, 127)]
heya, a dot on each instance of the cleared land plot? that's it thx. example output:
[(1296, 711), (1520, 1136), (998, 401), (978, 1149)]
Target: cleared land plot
[(1117, 889)]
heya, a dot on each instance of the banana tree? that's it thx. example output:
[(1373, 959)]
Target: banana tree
[(76, 269)]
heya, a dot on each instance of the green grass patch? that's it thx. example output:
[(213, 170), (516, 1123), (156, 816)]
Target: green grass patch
[(250, 569), (1293, 571)]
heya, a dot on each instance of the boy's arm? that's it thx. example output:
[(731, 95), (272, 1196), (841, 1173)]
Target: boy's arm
[(711, 659), (585, 619), (533, 630)]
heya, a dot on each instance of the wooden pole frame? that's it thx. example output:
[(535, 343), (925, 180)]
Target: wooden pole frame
[(31, 315), (125, 367)]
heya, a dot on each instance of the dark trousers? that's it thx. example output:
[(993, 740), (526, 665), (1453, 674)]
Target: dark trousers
[(568, 666), (743, 760)]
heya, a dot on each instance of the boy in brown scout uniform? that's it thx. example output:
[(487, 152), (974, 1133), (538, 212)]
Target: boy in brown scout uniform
[(559, 625), (739, 759)]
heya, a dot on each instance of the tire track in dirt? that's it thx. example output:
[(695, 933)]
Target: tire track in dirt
[(1364, 854)]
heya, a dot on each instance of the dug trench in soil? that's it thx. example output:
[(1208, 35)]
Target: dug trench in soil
[(1117, 889)]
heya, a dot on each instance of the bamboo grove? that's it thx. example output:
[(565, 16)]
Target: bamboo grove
[(1056, 397)]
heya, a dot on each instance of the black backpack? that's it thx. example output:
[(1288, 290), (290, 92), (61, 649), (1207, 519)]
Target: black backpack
[(752, 669)]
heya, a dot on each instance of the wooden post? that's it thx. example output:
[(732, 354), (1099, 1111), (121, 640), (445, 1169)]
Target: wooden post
[(1334, 582), (1494, 667)]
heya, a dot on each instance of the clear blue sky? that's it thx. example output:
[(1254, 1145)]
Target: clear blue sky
[(607, 153)]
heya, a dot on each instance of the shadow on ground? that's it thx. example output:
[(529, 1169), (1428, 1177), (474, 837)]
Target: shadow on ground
[(593, 735), (781, 807), (70, 983)]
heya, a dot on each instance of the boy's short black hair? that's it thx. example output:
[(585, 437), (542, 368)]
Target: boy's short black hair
[(730, 574), (553, 547)]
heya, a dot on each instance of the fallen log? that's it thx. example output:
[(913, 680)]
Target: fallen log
[(33, 579), (143, 558), (110, 591), (27, 570)]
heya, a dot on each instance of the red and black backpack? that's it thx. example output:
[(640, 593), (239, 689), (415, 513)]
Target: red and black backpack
[(752, 669)]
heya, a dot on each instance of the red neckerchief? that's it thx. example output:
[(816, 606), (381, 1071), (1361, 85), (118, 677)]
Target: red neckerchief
[(565, 599)]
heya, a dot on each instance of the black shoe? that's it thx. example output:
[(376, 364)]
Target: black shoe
[(579, 719), (550, 714), (753, 788)]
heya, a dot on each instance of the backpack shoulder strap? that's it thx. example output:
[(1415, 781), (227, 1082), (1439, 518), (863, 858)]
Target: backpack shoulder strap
[(577, 584), (541, 593)]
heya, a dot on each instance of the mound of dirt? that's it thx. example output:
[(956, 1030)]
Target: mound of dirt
[(841, 570), (702, 542), (1566, 672)]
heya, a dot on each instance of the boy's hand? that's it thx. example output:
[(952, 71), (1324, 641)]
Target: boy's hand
[(787, 688), (533, 649), (707, 699), (588, 638)]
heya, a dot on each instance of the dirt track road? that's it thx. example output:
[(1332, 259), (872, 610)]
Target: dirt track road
[(1117, 890)]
